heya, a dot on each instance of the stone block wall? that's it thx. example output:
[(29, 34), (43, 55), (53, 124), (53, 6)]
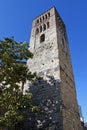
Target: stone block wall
[(55, 93)]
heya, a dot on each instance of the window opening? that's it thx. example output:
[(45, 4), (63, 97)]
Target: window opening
[(46, 16), (40, 28), (44, 27), (37, 30), (54, 83), (42, 38), (43, 17), (47, 24), (37, 20), (49, 14)]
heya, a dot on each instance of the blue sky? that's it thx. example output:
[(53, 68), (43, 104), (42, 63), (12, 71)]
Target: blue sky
[(16, 20)]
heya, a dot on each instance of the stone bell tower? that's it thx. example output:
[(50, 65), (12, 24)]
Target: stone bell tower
[(55, 93)]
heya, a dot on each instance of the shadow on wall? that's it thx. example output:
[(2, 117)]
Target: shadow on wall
[(46, 94)]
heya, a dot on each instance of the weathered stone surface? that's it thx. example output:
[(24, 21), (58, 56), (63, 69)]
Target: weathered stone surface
[(56, 92)]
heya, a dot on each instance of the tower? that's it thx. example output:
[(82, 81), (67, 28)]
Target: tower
[(55, 93)]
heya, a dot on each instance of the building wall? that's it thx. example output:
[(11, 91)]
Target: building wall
[(68, 92), (56, 92)]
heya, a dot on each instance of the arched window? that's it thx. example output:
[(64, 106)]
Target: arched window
[(37, 20), (46, 16), (42, 38), (37, 30), (43, 17), (44, 27), (47, 24), (49, 14), (40, 28)]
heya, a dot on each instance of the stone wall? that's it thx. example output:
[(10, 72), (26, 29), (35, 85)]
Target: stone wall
[(55, 93)]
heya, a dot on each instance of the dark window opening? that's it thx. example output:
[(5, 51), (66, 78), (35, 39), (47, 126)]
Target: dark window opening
[(43, 17), (49, 14), (37, 20), (40, 28), (42, 38), (37, 30), (47, 24), (54, 83), (44, 27), (46, 16)]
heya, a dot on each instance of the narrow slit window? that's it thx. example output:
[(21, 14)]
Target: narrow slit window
[(48, 25)]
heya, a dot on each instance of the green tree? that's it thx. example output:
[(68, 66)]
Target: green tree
[(13, 75)]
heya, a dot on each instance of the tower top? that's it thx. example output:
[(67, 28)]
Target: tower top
[(45, 12), (44, 28), (46, 15)]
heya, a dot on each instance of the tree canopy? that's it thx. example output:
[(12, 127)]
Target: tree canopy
[(13, 75)]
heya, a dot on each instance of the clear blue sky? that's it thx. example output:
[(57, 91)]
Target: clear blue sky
[(16, 20)]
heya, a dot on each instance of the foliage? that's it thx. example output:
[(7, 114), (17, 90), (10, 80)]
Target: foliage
[(13, 75)]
